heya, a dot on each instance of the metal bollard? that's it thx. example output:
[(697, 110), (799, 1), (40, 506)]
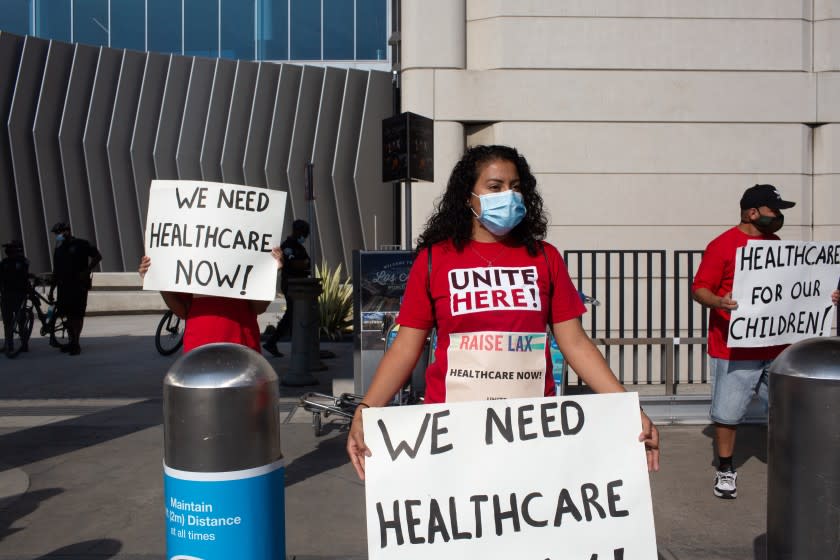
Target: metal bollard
[(305, 356), (803, 455), (224, 477)]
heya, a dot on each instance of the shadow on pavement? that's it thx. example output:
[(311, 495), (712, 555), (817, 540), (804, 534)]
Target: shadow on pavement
[(23, 506), (99, 548), (329, 454), (751, 441), (31, 445)]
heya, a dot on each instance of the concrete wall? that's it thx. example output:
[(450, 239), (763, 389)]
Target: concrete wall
[(643, 120)]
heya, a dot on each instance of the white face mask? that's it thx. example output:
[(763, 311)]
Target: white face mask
[(500, 212)]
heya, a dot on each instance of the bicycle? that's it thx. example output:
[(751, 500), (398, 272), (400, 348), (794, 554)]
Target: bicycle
[(169, 336), (52, 323)]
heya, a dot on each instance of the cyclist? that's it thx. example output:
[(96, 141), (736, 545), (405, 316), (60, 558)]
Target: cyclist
[(73, 262), (14, 283)]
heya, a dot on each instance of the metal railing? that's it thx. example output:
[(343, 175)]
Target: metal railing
[(652, 331)]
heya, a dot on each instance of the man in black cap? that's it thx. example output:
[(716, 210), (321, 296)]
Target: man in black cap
[(736, 373), (296, 264), (14, 284), (73, 262)]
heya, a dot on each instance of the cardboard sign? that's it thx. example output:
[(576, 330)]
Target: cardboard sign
[(532, 479), (783, 290), (213, 239)]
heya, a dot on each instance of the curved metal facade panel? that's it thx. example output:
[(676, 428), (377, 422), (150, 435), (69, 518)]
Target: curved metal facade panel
[(323, 156), (45, 132), (95, 143), (217, 117), (20, 121), (73, 119), (84, 130), (171, 113), (11, 47), (346, 147), (119, 156), (256, 145), (303, 137), (145, 128), (188, 157), (280, 135), (375, 197), (236, 132)]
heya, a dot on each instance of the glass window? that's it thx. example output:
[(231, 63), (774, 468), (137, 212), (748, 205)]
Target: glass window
[(164, 26), (371, 30), (90, 22), (272, 29), (305, 30), (128, 24), (237, 23), (338, 29), (52, 19), (201, 28), (14, 16)]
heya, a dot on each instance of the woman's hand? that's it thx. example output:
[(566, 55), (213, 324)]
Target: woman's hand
[(356, 448), (277, 253), (145, 263), (650, 436)]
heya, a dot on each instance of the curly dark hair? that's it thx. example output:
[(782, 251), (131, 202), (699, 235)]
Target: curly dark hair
[(453, 219)]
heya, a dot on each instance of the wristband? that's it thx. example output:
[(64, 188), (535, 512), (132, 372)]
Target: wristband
[(364, 404)]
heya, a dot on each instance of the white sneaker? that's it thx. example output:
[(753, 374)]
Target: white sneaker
[(725, 484)]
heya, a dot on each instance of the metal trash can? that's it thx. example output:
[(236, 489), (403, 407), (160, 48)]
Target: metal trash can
[(224, 477), (803, 456)]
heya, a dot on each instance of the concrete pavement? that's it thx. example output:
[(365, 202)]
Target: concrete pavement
[(81, 446)]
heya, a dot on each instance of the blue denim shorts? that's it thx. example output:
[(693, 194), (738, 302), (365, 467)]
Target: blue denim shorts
[(734, 382)]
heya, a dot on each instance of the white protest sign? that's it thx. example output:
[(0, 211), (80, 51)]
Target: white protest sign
[(532, 479), (213, 239), (783, 290)]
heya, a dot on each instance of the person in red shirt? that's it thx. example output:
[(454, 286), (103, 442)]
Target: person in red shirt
[(490, 284), (736, 373), (214, 318)]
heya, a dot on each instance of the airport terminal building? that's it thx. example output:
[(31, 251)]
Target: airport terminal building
[(644, 121)]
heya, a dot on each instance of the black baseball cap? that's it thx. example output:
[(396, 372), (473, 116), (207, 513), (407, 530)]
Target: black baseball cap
[(764, 195), (13, 244)]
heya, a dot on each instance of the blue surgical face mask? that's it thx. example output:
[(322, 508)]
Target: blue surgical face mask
[(59, 238), (500, 212), (301, 239)]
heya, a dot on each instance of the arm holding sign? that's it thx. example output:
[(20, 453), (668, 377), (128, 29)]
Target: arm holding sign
[(391, 375), (705, 296), (258, 306), (589, 364), (177, 302)]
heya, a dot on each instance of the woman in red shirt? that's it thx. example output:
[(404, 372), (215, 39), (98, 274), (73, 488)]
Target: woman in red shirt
[(214, 318), (490, 287)]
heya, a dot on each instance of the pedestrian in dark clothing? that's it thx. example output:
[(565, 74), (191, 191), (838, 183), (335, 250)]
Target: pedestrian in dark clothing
[(296, 265), (73, 262), (14, 284)]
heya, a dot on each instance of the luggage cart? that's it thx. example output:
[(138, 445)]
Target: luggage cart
[(323, 406)]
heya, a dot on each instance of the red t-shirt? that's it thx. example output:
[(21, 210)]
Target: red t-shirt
[(491, 318), (221, 319), (717, 274)]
